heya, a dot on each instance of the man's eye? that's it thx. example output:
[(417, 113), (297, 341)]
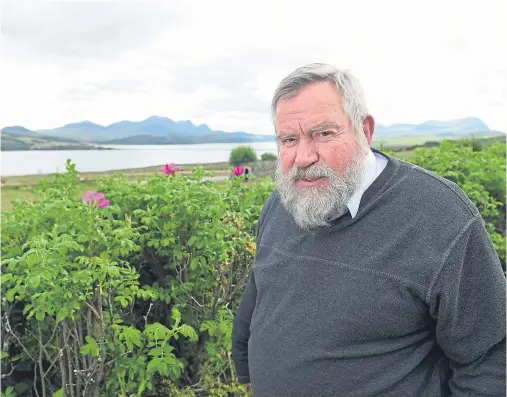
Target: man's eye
[(325, 133), (288, 140)]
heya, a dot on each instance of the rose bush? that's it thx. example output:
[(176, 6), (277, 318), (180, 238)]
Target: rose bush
[(131, 289), (132, 294)]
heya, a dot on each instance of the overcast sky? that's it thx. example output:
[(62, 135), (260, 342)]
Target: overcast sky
[(218, 62)]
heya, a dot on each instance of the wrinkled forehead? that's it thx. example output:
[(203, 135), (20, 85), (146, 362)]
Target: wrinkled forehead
[(305, 119)]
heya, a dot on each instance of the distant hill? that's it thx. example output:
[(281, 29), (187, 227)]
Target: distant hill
[(157, 130), (32, 141), (18, 130), (233, 137), (147, 131), (446, 128)]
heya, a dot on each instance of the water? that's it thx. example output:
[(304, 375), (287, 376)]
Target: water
[(33, 162)]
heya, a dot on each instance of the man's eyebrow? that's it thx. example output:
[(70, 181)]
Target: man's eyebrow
[(325, 126)]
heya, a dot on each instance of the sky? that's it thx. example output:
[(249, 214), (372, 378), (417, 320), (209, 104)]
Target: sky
[(218, 62)]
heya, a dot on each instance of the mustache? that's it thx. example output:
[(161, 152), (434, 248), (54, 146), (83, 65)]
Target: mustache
[(311, 172)]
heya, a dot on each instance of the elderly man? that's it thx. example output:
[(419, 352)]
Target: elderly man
[(373, 277)]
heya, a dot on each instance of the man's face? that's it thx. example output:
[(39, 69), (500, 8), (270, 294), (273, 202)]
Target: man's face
[(321, 159)]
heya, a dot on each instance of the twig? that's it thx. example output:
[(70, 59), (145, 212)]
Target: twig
[(41, 369), (10, 373), (94, 311), (110, 362), (35, 380), (147, 314), (52, 336), (9, 329), (57, 354), (198, 304)]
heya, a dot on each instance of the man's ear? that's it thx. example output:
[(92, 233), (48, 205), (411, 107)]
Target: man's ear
[(369, 128)]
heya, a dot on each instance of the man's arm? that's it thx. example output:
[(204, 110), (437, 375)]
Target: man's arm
[(467, 299), (241, 331)]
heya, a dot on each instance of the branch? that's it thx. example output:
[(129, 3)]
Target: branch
[(10, 373), (57, 354), (147, 314), (9, 329), (94, 311)]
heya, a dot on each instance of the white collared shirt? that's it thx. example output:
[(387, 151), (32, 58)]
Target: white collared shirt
[(375, 165)]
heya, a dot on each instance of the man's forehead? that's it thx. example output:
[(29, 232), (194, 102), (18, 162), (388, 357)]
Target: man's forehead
[(297, 124)]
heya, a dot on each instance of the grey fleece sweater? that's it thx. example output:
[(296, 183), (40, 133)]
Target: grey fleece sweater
[(407, 299)]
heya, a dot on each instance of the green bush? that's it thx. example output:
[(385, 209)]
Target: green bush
[(481, 172), (268, 157), (242, 155), (137, 298), (130, 298)]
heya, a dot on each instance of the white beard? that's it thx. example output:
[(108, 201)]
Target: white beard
[(312, 206)]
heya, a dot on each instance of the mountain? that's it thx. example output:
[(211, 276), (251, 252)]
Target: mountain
[(16, 140), (162, 130), (154, 126), (14, 130), (232, 137), (446, 128)]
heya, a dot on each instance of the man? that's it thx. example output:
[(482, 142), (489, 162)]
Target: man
[(373, 277)]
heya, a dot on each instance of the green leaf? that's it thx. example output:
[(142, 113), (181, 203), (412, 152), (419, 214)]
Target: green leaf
[(61, 315), (58, 393), (154, 365), (191, 241), (156, 352), (40, 315), (189, 332), (35, 281), (135, 337), (93, 347), (194, 262), (176, 315)]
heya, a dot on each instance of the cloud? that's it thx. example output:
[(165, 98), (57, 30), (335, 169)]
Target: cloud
[(219, 62), (81, 30)]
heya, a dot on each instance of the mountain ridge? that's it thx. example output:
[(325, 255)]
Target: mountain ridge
[(163, 130)]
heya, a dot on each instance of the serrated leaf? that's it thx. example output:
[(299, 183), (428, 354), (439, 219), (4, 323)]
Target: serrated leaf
[(189, 332), (156, 352), (153, 365)]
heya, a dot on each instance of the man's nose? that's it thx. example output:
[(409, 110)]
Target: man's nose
[(306, 154)]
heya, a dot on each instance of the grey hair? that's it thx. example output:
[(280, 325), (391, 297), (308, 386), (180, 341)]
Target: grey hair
[(353, 98)]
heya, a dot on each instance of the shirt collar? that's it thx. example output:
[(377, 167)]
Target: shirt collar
[(355, 200)]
